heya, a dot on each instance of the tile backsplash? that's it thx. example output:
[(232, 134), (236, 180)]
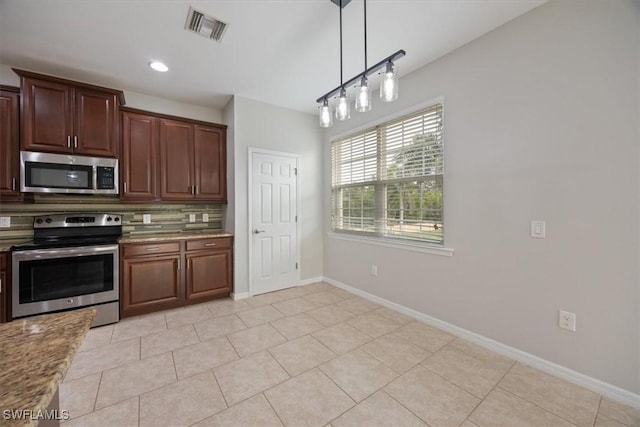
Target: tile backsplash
[(165, 217)]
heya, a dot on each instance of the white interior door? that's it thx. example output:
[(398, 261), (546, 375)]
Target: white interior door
[(274, 236)]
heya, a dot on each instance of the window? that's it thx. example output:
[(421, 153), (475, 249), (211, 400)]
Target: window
[(386, 181)]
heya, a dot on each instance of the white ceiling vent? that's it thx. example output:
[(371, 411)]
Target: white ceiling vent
[(206, 26)]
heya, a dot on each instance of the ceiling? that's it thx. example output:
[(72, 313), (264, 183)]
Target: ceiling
[(283, 52)]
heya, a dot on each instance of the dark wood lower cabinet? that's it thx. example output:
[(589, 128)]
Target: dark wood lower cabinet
[(150, 283), (162, 275), (208, 275)]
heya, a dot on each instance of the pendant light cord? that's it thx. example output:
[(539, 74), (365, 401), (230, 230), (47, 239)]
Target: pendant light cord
[(341, 81), (365, 34)]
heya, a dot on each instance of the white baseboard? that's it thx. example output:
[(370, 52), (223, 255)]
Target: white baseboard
[(239, 295), (608, 390), (243, 295), (310, 281)]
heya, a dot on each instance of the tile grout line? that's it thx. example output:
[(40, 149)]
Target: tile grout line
[(597, 411), (226, 403), (402, 404), (535, 404), (490, 391)]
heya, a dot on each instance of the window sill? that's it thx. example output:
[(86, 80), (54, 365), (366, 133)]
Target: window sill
[(410, 246)]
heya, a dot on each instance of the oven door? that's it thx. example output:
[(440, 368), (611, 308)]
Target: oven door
[(46, 280)]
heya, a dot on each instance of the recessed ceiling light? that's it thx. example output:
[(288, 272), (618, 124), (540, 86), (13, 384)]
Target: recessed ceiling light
[(158, 66)]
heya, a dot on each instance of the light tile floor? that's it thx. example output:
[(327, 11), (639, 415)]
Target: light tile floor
[(310, 356)]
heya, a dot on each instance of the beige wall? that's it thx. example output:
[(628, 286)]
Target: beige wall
[(260, 125), (541, 122)]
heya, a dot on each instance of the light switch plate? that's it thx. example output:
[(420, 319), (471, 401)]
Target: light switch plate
[(205, 217), (538, 229), (5, 221), (192, 217), (146, 218)]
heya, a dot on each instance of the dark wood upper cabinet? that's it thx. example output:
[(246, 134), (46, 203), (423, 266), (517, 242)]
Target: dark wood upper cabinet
[(63, 116), (9, 148), (176, 160), (96, 116), (210, 149), (172, 159), (138, 156), (46, 116)]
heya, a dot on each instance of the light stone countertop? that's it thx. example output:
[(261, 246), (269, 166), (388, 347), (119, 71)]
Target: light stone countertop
[(5, 245), (185, 235), (35, 354)]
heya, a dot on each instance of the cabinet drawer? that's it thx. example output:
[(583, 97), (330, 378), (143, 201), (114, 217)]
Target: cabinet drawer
[(214, 243), (150, 248)]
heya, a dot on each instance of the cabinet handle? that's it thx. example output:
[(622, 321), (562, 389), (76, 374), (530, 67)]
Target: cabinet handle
[(193, 190), (13, 184), (197, 192), (75, 141), (209, 244), (68, 141), (0, 286), (153, 248), (179, 265), (125, 186), (188, 264)]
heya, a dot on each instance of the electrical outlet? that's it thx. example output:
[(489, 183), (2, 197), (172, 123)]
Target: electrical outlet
[(192, 217), (567, 320), (146, 218), (205, 217), (374, 270), (5, 221)]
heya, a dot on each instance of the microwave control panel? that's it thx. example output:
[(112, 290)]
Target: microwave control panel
[(105, 178)]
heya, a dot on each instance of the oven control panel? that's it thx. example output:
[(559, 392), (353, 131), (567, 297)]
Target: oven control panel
[(77, 220)]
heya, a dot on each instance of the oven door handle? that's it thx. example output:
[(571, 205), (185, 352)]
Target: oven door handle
[(36, 254)]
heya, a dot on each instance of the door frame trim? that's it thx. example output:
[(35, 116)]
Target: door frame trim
[(251, 151)]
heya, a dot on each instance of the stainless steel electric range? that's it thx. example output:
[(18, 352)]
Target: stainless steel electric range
[(71, 263)]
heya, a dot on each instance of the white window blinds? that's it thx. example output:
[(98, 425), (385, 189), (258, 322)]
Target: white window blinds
[(387, 181)]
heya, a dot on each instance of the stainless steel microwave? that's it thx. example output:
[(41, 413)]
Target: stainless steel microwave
[(61, 173)]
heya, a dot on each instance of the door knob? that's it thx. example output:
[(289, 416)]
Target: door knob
[(256, 231)]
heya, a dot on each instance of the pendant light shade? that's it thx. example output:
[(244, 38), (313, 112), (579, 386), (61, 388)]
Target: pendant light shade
[(343, 110), (363, 96), (326, 118), (389, 83)]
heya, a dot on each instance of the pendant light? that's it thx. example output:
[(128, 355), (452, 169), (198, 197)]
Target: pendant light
[(388, 83), (342, 109), (363, 95), (326, 118)]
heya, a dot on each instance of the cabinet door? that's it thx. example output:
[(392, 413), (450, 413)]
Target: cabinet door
[(176, 160), (96, 118), (139, 156), (208, 275), (47, 119), (210, 164), (9, 162), (150, 284)]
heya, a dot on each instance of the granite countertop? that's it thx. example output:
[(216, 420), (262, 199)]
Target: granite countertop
[(204, 234), (5, 245), (35, 354)]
